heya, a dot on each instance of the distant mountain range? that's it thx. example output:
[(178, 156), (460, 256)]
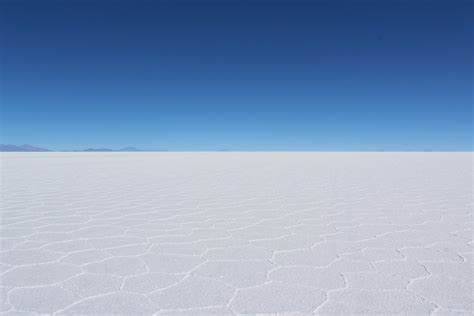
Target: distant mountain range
[(25, 147), (30, 148)]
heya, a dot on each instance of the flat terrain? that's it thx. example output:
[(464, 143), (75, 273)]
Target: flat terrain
[(242, 233)]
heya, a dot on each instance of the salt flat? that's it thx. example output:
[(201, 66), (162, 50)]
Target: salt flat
[(237, 233)]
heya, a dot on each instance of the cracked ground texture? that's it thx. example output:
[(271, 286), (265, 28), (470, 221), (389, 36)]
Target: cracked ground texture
[(236, 233)]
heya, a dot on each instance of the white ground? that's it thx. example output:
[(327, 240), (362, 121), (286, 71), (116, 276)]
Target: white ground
[(203, 233)]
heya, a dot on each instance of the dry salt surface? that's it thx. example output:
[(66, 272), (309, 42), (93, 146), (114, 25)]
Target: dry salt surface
[(237, 233)]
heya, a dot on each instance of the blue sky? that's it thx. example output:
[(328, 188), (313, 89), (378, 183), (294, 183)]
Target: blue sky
[(238, 75)]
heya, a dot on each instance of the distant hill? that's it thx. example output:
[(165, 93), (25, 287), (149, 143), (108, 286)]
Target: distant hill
[(21, 148), (30, 148)]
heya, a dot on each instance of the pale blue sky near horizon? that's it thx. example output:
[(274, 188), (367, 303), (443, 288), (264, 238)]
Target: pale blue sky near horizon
[(238, 75)]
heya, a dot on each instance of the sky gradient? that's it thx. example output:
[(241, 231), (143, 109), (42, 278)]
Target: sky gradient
[(238, 75)]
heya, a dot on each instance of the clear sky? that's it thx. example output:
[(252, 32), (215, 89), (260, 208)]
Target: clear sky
[(238, 75)]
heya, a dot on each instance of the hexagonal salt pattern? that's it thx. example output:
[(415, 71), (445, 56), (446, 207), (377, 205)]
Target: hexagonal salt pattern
[(236, 233)]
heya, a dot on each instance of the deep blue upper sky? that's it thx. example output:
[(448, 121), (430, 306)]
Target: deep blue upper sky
[(238, 75)]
